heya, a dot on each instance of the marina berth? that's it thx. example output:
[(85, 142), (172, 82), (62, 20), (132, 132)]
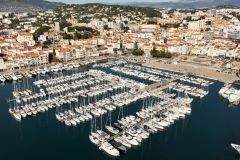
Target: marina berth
[(193, 91), (93, 95), (41, 71), (135, 129)]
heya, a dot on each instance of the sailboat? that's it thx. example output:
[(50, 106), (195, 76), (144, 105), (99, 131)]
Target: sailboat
[(58, 114), (236, 147), (110, 128), (93, 136), (16, 113), (109, 149)]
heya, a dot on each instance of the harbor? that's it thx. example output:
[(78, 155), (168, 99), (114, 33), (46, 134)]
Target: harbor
[(121, 107), (125, 80)]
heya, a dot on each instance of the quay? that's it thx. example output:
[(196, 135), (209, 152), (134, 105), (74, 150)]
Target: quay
[(203, 72), (164, 84)]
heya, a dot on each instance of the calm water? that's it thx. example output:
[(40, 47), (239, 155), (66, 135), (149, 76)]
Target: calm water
[(205, 134)]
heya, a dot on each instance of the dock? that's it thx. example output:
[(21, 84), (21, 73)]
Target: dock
[(162, 85), (135, 125), (158, 86)]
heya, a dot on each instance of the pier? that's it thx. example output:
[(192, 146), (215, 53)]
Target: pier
[(158, 86), (162, 85), (135, 125)]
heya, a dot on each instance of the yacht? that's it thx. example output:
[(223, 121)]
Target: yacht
[(17, 116), (18, 75), (236, 147), (2, 79), (8, 77), (112, 130), (123, 142), (109, 149), (13, 77), (119, 146), (94, 139), (130, 140)]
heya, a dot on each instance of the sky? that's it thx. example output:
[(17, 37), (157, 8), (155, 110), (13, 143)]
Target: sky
[(109, 1)]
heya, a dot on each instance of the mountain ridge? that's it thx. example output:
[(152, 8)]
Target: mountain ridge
[(181, 4), (186, 4), (29, 3)]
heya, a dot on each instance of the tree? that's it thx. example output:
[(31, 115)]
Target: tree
[(67, 36), (138, 52), (188, 19), (135, 45), (165, 40), (87, 35), (121, 44), (40, 31), (170, 25), (15, 23), (151, 22), (77, 35), (168, 55), (64, 24), (208, 29), (160, 54), (155, 52), (83, 32), (202, 17), (125, 29), (209, 23), (47, 43), (11, 15)]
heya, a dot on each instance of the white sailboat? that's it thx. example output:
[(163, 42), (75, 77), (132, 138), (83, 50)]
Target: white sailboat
[(236, 147), (110, 128), (109, 149)]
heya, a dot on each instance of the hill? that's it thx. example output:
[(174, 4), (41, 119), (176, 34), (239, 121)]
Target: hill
[(26, 5), (187, 4)]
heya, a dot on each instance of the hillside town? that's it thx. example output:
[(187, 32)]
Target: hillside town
[(208, 37)]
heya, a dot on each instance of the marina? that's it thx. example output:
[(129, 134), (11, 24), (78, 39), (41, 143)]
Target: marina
[(85, 96), (127, 80), (19, 74), (120, 109)]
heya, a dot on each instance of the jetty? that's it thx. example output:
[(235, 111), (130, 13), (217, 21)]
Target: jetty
[(164, 84), (152, 89), (135, 125)]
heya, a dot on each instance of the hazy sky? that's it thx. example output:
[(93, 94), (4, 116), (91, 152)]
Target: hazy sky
[(108, 1)]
